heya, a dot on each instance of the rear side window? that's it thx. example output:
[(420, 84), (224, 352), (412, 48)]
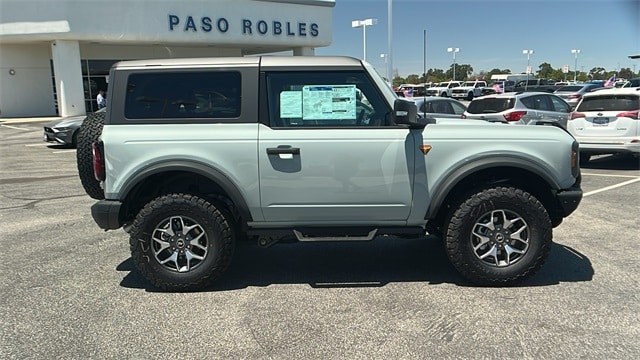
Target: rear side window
[(490, 105), (610, 103), (195, 94)]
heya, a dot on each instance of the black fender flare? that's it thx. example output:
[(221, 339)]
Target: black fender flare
[(205, 170), (457, 174)]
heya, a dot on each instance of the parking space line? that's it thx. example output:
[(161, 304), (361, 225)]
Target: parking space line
[(41, 144), (612, 187), (16, 128), (63, 151), (611, 175)]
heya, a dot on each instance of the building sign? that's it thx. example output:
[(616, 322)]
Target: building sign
[(243, 26)]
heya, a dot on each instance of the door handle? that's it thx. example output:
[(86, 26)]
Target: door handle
[(283, 150)]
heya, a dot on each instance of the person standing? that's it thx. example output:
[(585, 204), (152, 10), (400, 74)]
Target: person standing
[(101, 100)]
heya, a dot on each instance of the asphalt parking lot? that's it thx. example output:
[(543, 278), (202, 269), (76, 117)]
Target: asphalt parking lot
[(70, 290)]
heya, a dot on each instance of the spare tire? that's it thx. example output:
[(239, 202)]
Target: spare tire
[(89, 133)]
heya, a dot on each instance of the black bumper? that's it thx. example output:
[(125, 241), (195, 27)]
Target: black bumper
[(106, 213), (569, 200)]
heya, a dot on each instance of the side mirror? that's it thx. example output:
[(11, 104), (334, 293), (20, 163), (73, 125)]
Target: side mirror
[(405, 112)]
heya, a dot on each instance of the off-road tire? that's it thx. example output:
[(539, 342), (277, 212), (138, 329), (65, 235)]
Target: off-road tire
[(469, 221), (89, 132), (217, 238)]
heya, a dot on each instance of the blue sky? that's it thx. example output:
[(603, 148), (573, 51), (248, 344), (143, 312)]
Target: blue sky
[(491, 33)]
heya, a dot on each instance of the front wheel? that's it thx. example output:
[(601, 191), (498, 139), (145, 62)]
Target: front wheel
[(498, 236), (181, 242)]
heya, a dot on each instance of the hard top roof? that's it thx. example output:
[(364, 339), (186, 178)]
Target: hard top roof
[(264, 61)]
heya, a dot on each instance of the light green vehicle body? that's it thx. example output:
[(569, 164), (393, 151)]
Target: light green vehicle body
[(342, 177)]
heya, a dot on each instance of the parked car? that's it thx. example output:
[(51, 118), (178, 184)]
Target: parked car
[(443, 89), (607, 122), (439, 107), (635, 82), (65, 130), (520, 108), (573, 93)]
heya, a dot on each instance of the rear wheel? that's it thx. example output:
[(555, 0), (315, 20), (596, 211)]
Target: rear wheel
[(181, 242), (89, 132), (498, 236)]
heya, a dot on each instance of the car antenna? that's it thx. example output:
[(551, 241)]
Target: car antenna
[(424, 73)]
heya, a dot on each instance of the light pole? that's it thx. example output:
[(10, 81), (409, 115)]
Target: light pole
[(386, 58), (575, 69), (364, 23), (454, 51), (528, 52)]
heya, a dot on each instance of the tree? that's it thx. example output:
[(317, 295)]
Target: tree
[(545, 71), (462, 71), (412, 79), (625, 73), (397, 81), (598, 73), (435, 75)]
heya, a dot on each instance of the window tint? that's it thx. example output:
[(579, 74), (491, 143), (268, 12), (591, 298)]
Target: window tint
[(438, 106), (571, 88), (559, 105), (325, 99), (458, 109), (610, 103), (490, 105), (198, 94)]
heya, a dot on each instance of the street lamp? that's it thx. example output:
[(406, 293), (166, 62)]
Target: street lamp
[(386, 58), (575, 69), (364, 23), (528, 52), (454, 51)]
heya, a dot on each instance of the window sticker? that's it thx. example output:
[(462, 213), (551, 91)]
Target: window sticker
[(320, 102), (290, 104)]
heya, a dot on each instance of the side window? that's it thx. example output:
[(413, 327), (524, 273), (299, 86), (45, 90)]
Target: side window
[(542, 103), (529, 102), (188, 94), (442, 107), (325, 99), (457, 108), (559, 105)]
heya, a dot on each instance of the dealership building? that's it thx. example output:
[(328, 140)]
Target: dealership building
[(55, 55)]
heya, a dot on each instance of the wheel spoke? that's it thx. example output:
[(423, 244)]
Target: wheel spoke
[(176, 225), (500, 237), (493, 252), (173, 257), (483, 240)]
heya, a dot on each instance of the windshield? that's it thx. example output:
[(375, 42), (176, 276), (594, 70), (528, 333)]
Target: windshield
[(385, 87), (570, 88), (610, 103), (490, 105)]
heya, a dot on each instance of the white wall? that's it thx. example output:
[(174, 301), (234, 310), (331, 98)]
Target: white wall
[(30, 91), (139, 29)]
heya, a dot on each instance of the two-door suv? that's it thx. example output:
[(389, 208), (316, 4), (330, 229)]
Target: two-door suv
[(197, 154)]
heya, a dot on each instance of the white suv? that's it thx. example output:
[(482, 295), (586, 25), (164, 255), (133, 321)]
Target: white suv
[(607, 122)]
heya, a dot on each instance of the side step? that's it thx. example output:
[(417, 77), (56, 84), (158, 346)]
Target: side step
[(301, 237)]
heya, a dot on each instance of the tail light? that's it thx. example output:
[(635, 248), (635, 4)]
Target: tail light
[(575, 115), (97, 150), (515, 115), (635, 114), (575, 96)]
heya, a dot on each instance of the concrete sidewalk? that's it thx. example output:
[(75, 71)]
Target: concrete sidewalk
[(28, 120)]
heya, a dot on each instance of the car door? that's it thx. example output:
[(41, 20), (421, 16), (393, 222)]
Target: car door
[(328, 152)]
